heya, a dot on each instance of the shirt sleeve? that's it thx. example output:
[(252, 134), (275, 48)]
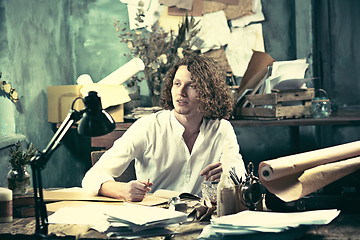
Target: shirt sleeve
[(235, 159), (115, 160)]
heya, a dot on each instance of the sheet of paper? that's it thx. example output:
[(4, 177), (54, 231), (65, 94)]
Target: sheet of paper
[(74, 194), (86, 215), (195, 9), (296, 83), (296, 176), (141, 217), (188, 4), (276, 219), (258, 16), (214, 32), (220, 59), (54, 206), (256, 70), (285, 70), (240, 48), (252, 222), (130, 216), (241, 9)]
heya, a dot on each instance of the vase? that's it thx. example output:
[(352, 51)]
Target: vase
[(18, 180)]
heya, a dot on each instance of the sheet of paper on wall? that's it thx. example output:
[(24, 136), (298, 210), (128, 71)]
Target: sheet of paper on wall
[(184, 4), (169, 23), (214, 32), (241, 45), (195, 9), (219, 57), (241, 9), (151, 12), (210, 6), (258, 16)]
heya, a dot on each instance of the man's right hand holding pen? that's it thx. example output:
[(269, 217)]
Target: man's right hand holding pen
[(134, 191)]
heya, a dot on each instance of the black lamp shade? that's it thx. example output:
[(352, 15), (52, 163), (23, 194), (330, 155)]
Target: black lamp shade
[(95, 121)]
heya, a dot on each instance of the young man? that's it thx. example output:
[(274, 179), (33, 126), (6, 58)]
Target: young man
[(179, 147)]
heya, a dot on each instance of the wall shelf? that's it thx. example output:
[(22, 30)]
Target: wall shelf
[(345, 118)]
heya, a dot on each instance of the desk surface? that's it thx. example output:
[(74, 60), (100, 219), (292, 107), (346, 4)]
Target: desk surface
[(345, 226)]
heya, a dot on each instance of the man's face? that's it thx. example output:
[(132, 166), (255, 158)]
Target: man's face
[(183, 92)]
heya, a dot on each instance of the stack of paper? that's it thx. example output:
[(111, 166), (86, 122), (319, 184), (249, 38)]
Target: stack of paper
[(251, 222), (138, 218), (287, 75), (126, 220)]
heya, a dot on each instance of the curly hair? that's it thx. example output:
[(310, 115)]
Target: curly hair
[(215, 101)]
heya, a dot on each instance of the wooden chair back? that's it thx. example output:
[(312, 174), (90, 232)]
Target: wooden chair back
[(128, 175)]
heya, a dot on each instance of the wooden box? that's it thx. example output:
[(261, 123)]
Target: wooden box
[(280, 104)]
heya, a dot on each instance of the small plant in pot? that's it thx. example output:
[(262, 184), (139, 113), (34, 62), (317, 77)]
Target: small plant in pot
[(18, 178)]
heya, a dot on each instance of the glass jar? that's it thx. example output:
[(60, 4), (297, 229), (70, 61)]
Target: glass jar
[(321, 106), (18, 180)]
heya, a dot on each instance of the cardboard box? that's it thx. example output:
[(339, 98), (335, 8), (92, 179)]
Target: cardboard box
[(60, 100)]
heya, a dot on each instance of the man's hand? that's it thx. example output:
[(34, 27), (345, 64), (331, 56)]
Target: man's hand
[(212, 172), (133, 191)]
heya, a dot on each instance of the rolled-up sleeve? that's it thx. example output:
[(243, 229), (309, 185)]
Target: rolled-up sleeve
[(115, 160)]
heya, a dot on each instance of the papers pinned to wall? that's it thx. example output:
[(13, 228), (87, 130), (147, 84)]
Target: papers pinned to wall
[(246, 31), (242, 43), (214, 32), (258, 16)]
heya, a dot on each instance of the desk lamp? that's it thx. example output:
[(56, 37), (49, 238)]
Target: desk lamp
[(94, 121)]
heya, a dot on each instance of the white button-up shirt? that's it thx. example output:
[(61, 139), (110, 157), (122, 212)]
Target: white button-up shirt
[(161, 155)]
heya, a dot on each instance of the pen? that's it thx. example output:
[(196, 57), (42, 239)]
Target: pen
[(233, 178), (235, 175)]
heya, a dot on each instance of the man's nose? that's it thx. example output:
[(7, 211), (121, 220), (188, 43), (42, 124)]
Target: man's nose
[(182, 91)]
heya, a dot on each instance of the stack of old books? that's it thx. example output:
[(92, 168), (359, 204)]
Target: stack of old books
[(23, 205)]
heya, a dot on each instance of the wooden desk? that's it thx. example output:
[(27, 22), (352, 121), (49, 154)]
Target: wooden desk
[(345, 226), (345, 118)]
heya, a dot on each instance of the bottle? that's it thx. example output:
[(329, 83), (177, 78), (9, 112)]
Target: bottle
[(227, 199), (230, 79)]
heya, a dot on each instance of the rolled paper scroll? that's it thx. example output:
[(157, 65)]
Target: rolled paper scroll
[(295, 176), (123, 73)]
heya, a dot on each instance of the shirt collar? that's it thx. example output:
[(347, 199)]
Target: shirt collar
[(180, 128)]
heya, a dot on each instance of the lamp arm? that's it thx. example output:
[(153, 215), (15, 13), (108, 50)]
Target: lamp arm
[(38, 162)]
